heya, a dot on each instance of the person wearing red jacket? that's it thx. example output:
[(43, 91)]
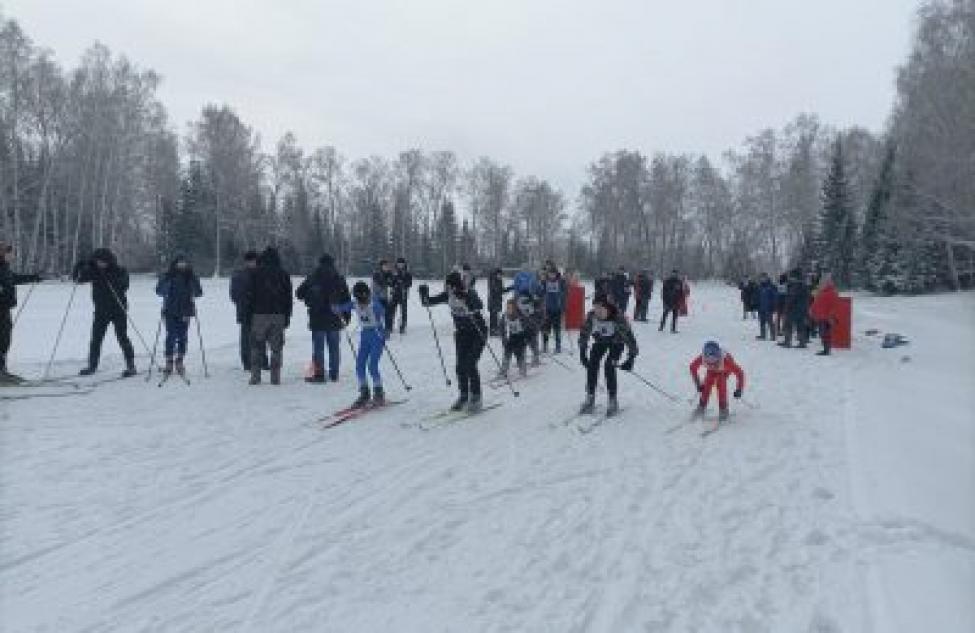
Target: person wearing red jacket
[(719, 365), (823, 312)]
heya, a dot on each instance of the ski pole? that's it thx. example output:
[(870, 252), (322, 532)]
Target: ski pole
[(128, 316), (155, 346), (555, 360), (667, 395), (351, 344), (57, 339), (497, 362), (395, 365), (203, 351), (436, 339), (23, 304)]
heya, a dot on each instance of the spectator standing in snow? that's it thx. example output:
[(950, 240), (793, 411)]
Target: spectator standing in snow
[(796, 310), (673, 289), (400, 294), (238, 282), (767, 297), (495, 298), (824, 312), (179, 289), (319, 291), (109, 285), (9, 281), (268, 304)]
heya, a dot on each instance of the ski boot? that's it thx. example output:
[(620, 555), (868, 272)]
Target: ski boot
[(475, 405), (316, 378), (88, 371), (168, 367), (255, 378), (589, 405), (129, 368), (460, 403), (180, 367), (612, 407), (363, 398), (723, 415), (378, 397)]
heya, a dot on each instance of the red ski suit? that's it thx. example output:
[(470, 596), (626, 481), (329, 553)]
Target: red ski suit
[(717, 375)]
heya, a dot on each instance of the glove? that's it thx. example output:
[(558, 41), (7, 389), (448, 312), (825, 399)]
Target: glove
[(583, 358), (627, 365), (737, 393)]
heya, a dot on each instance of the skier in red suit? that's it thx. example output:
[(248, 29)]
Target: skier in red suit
[(719, 365)]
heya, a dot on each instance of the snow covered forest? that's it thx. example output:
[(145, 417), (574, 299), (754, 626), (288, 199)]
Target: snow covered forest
[(89, 157)]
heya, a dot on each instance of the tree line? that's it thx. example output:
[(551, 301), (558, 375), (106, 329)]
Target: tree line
[(89, 158)]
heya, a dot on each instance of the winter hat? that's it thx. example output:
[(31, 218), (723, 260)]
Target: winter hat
[(326, 260), (455, 281), (712, 351), (401, 260), (250, 256), (361, 291), (270, 257)]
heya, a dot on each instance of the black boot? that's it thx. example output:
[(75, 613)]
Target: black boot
[(589, 405), (378, 397), (363, 398), (88, 371), (129, 368), (460, 403)]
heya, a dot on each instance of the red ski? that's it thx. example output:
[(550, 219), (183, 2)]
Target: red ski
[(352, 413)]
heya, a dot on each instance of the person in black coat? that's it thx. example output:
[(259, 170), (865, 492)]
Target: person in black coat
[(470, 332), (796, 310), (9, 281), (400, 294), (381, 289), (238, 283), (179, 288), (268, 304), (109, 285), (671, 294), (496, 291), (319, 291), (621, 287)]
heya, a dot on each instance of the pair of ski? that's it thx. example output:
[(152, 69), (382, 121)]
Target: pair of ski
[(586, 423), (694, 418), (448, 417), (166, 375), (351, 413)]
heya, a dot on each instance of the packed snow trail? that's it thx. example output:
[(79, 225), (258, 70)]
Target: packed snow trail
[(219, 506)]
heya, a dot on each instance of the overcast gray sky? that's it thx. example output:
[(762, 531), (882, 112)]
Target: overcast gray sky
[(545, 86)]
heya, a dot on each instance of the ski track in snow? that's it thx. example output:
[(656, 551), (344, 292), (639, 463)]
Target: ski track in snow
[(218, 507)]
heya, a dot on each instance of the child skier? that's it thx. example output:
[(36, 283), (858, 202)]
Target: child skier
[(610, 334), (719, 365), (469, 336), (372, 341), (514, 337), (179, 288)]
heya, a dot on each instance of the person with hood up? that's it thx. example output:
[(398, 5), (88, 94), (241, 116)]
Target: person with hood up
[(319, 291), (238, 282), (611, 335), (109, 285), (9, 281), (268, 305), (179, 289), (671, 294), (470, 332), (796, 310)]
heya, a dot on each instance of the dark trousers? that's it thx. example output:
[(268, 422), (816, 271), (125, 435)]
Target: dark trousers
[(319, 339), (672, 312), (391, 314), (267, 332), (799, 327), (245, 348), (612, 354), (493, 322), (553, 325), (6, 328), (177, 331), (766, 320), (826, 334), (640, 311), (98, 328), (468, 345)]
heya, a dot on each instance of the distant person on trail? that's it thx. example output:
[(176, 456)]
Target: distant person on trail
[(468, 276), (238, 283), (642, 289), (268, 304), (514, 338), (719, 365), (767, 299), (179, 289), (556, 292), (685, 293), (824, 312), (382, 284), (621, 287), (470, 337), (611, 335), (781, 289), (400, 294), (372, 342), (9, 281), (319, 291), (673, 290), (796, 310), (528, 296), (109, 284), (495, 300)]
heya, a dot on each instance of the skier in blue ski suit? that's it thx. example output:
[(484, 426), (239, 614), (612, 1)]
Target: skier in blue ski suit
[(372, 341)]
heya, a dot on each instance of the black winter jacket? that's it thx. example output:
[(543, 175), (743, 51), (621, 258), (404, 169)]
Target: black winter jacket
[(320, 291), (238, 286), (672, 292), (9, 280), (268, 287), (179, 289), (108, 285)]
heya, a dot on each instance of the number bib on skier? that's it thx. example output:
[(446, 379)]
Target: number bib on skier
[(367, 318), (515, 328), (526, 306), (554, 287), (603, 329), (458, 307)]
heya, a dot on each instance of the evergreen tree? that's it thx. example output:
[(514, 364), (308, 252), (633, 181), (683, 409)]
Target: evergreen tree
[(874, 244), (836, 243)]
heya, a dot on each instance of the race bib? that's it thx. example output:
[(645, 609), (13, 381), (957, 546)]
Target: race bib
[(515, 328), (526, 306), (554, 287), (604, 329), (458, 307), (367, 318)]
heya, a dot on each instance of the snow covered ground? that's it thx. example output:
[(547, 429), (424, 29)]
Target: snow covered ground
[(842, 499)]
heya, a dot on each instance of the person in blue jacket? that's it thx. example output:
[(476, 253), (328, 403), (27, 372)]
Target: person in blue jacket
[(767, 298), (372, 341), (554, 288), (179, 289)]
